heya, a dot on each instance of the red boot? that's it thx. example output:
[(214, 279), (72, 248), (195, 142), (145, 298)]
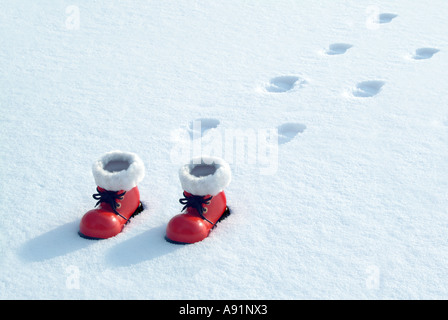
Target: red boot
[(116, 175), (203, 181)]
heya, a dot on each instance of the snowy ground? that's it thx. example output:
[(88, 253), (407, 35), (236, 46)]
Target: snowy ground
[(352, 205)]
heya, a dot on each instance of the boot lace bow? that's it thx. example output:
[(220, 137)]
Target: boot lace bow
[(197, 203), (109, 197)]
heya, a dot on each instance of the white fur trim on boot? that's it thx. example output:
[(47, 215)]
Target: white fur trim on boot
[(118, 170), (205, 176)]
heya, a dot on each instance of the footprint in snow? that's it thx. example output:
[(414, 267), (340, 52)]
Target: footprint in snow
[(386, 17), (283, 83), (287, 131), (197, 128), (337, 48), (424, 53), (367, 89)]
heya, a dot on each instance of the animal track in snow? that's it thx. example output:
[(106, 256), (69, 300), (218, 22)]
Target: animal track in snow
[(284, 83), (424, 53), (367, 89), (199, 127), (338, 48), (287, 131), (386, 17)]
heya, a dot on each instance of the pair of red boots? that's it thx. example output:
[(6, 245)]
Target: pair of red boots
[(117, 175)]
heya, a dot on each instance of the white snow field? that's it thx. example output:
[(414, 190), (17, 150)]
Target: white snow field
[(351, 204)]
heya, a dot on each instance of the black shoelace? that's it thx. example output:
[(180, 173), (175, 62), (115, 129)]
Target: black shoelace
[(196, 202), (109, 197)]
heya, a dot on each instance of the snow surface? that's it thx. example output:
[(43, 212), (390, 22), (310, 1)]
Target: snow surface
[(355, 205)]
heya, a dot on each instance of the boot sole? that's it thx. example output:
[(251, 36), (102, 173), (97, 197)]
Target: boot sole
[(139, 209), (226, 213)]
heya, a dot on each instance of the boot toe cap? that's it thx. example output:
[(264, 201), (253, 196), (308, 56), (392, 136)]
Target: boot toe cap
[(187, 229), (99, 225)]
